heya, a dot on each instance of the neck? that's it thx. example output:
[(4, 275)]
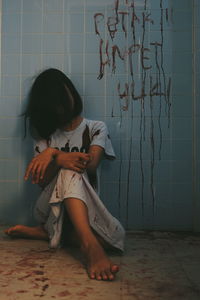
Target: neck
[(73, 124)]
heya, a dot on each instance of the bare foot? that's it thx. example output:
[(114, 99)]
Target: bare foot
[(21, 231), (99, 265)]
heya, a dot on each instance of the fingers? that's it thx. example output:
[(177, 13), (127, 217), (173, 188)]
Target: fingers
[(84, 157), (36, 170), (78, 167), (29, 170)]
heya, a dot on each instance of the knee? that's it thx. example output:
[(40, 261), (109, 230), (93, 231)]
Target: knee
[(70, 173)]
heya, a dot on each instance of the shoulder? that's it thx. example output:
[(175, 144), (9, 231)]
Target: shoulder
[(95, 124)]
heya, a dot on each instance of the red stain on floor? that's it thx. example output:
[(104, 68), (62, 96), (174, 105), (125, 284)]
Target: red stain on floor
[(64, 293)]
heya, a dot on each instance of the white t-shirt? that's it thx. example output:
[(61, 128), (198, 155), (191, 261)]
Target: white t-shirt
[(88, 133)]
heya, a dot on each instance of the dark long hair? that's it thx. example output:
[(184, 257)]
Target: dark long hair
[(53, 102)]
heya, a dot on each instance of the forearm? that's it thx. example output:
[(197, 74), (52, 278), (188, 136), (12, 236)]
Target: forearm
[(44, 167), (51, 171), (96, 153)]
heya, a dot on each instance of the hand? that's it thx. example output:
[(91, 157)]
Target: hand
[(38, 165), (75, 161)]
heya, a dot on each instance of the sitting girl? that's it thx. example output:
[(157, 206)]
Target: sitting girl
[(68, 149)]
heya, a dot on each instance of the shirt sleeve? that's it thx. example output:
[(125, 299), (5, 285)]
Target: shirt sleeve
[(39, 146), (100, 137)]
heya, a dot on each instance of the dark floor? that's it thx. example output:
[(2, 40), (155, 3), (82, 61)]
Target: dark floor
[(156, 265)]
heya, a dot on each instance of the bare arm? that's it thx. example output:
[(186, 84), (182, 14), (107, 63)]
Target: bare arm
[(96, 153), (46, 165)]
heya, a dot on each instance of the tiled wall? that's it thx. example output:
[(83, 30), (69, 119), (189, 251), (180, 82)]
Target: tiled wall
[(143, 93), (197, 111)]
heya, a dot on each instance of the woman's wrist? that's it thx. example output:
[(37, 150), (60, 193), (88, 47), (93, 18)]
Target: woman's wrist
[(54, 152)]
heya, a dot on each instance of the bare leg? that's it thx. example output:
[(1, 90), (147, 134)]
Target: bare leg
[(22, 231), (99, 266)]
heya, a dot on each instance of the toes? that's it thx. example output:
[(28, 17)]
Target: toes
[(104, 276), (98, 276), (92, 275), (110, 275), (114, 268)]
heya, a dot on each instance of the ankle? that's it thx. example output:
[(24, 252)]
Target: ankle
[(88, 242)]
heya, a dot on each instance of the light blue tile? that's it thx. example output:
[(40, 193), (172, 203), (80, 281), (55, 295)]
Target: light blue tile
[(53, 43), (53, 23), (181, 106), (9, 170), (53, 61), (182, 128), (182, 20), (183, 5), (182, 171), (31, 43), (143, 152), (155, 4), (110, 171), (93, 86), (27, 152), (11, 127), (92, 43), (75, 5), (92, 63), (121, 147), (11, 64), (167, 36), (179, 66), (161, 171), (77, 81), (74, 63), (32, 23), (197, 62), (10, 148), (10, 44), (119, 39), (119, 128), (162, 150), (97, 6), (112, 106), (9, 106), (52, 5), (135, 171), (181, 84), (74, 22), (31, 64), (10, 86), (118, 59), (182, 150), (74, 43), (11, 23), (198, 85), (94, 107), (32, 6), (140, 207), (157, 16), (182, 205), (108, 196), (11, 6), (26, 84), (130, 150), (159, 60), (8, 204), (162, 128), (91, 19), (116, 84), (182, 41)]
